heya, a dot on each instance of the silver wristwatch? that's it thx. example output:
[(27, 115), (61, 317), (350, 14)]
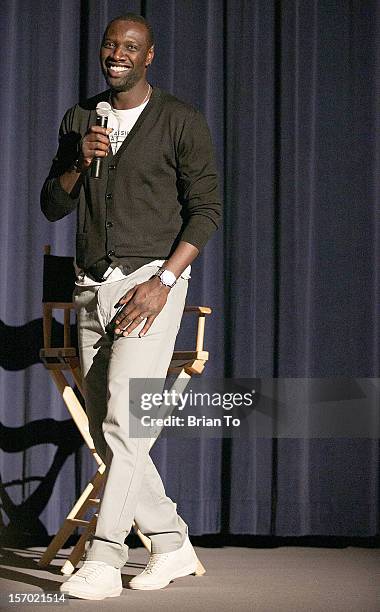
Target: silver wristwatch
[(166, 277)]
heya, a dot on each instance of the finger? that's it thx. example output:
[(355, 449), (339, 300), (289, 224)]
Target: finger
[(98, 138), (147, 325), (125, 319), (135, 323), (97, 144), (100, 152), (126, 316), (95, 151), (122, 323), (92, 139), (120, 315), (97, 129)]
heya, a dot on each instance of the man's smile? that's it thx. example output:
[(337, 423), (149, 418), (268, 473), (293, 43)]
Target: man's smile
[(115, 70)]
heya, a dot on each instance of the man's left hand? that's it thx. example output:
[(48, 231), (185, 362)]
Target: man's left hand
[(145, 301)]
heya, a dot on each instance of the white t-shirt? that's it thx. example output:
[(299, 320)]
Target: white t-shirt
[(122, 121)]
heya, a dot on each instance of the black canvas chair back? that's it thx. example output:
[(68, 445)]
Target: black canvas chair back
[(58, 279)]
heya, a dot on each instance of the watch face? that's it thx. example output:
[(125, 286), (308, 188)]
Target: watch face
[(168, 278)]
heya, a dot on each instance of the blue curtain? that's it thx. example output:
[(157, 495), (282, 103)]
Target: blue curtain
[(291, 94)]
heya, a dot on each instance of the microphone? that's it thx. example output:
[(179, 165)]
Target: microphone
[(102, 111)]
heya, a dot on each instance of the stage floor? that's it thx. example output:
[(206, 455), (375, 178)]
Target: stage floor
[(238, 579)]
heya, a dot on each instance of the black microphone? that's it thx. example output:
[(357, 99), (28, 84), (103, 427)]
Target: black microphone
[(102, 111)]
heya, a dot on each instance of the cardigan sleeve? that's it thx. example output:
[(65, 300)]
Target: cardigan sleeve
[(55, 201), (197, 182)]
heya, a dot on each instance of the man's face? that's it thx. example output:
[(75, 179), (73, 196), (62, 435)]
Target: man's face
[(124, 54)]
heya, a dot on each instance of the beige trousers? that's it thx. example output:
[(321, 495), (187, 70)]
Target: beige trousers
[(133, 488)]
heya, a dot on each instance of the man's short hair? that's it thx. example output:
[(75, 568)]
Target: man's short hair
[(137, 19)]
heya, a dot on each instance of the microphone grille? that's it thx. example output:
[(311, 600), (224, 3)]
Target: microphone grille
[(103, 109)]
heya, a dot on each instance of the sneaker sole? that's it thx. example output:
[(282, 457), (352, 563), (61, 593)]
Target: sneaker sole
[(184, 571), (81, 595)]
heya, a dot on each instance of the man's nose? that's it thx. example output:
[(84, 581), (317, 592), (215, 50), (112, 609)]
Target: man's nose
[(119, 52)]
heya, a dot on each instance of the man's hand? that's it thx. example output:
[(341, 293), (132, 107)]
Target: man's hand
[(145, 301), (95, 143)]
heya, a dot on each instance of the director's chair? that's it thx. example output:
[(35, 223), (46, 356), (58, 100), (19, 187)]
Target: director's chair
[(62, 360)]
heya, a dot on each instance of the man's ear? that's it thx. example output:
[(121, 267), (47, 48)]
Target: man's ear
[(149, 57)]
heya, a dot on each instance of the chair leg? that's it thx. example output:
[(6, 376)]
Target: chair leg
[(79, 548), (57, 543), (73, 518), (78, 379), (200, 571), (73, 405), (144, 539)]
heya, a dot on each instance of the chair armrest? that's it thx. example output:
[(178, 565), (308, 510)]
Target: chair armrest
[(199, 309)]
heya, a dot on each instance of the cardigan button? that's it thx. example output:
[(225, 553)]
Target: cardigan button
[(109, 196), (109, 224), (110, 253), (112, 167)]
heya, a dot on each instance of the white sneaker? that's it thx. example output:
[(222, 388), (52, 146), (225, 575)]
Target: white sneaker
[(94, 580), (164, 567)]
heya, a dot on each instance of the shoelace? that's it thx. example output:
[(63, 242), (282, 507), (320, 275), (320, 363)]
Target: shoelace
[(90, 571), (155, 561)]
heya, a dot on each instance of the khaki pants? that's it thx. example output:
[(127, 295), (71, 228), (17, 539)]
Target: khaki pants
[(133, 488)]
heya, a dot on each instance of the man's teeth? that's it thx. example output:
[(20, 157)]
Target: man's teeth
[(119, 68)]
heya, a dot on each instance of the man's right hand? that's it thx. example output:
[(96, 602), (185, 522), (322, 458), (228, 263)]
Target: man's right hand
[(95, 143)]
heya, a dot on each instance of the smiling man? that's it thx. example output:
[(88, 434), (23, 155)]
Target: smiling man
[(139, 227)]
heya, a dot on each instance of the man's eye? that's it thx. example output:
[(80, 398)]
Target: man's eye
[(108, 45), (132, 48)]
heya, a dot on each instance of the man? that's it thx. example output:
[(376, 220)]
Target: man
[(139, 227)]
